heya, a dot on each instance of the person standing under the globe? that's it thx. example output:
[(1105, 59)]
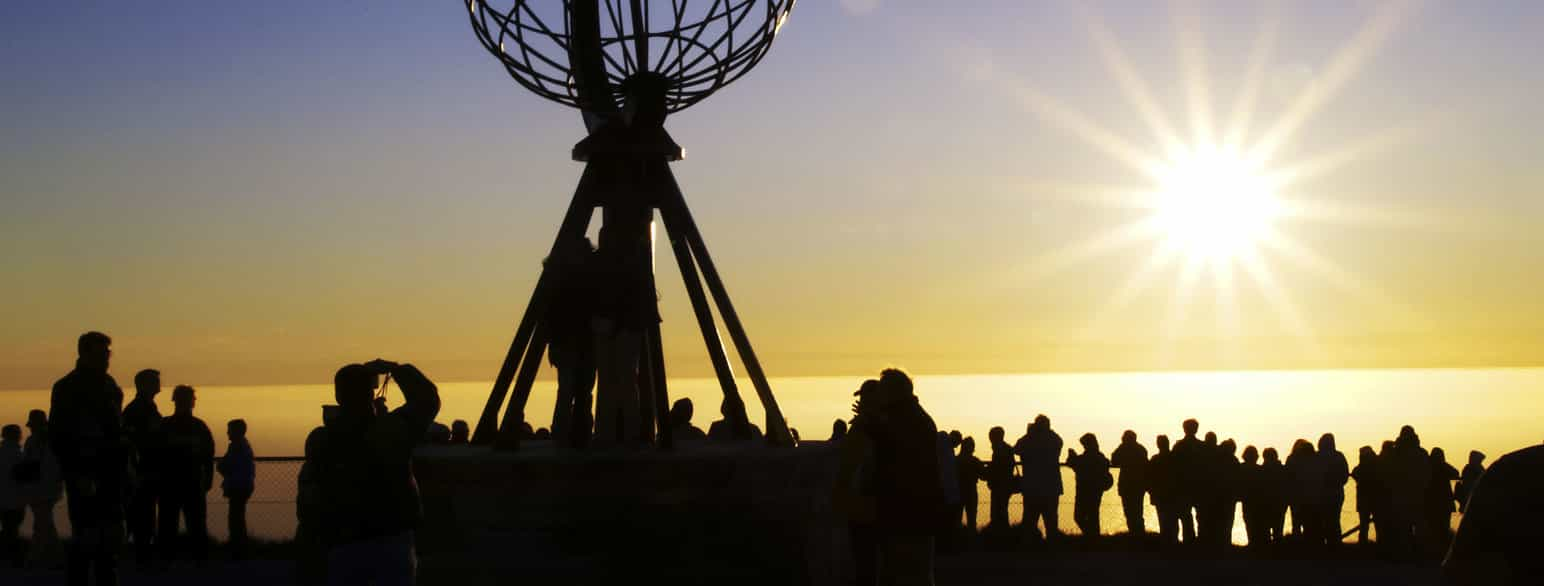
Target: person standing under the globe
[(86, 418), (571, 347), (625, 308)]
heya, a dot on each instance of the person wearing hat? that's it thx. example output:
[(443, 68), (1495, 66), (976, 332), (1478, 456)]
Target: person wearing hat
[(185, 467), (369, 505)]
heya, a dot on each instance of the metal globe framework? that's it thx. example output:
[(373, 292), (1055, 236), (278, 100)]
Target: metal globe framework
[(699, 47), (626, 65)]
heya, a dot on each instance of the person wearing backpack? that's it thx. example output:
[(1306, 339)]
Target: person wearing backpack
[(1091, 474), (369, 498)]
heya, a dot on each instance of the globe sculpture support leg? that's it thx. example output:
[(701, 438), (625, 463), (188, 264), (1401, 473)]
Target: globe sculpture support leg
[(575, 222), (523, 361)]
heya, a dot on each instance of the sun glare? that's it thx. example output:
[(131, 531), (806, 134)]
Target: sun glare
[(1213, 205)]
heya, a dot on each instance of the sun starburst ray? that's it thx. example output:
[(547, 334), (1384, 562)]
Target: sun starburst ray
[(1193, 71), (1132, 85), (1345, 65), (1331, 272), (1254, 79), (1085, 129)]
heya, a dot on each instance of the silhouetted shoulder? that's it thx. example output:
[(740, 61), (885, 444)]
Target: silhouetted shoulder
[(1502, 534)]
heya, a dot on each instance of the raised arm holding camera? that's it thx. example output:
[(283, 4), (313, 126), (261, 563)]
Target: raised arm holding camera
[(363, 459)]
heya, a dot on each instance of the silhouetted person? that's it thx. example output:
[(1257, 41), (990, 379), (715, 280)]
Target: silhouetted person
[(1190, 467), (949, 484), (1408, 477), (142, 427), (438, 434), (1039, 454), (625, 307), (1131, 459), (1439, 501), (460, 432), (1229, 491), (908, 500), (41, 488), (311, 552), (1163, 485), (369, 497), (854, 495), (838, 430), (572, 348), (1383, 516), (1209, 491), (187, 473), (1306, 498), (1252, 492), (681, 428), (1502, 531), (1091, 477), (1336, 473), (734, 425), (1000, 480), (1274, 488), (12, 507), (1468, 478), (238, 472), (86, 417), (1369, 491), (970, 471)]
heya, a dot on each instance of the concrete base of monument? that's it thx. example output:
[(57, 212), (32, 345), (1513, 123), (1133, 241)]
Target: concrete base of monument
[(703, 513)]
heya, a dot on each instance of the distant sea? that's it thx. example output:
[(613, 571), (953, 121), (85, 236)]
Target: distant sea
[(1491, 410)]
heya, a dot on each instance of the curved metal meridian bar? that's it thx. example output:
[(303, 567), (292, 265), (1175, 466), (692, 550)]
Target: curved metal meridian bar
[(700, 46)]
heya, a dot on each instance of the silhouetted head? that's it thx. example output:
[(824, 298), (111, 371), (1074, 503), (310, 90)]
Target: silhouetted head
[(868, 394), (731, 408), (236, 429), (37, 420), (1270, 456), (1438, 456), (1211, 438), (183, 398), (955, 437), (1042, 421), (681, 412), (995, 435), (1251, 454), (1407, 437), (1163, 444), (1128, 437), (1327, 442), (1228, 446), (838, 429), (1190, 426), (147, 383), (94, 350), (459, 431), (11, 433), (1090, 443), (967, 446), (1387, 447), (1302, 447), (1366, 455), (1476, 457), (354, 386), (895, 383)]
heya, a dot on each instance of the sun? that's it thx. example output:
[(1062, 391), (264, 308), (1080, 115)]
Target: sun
[(1213, 204)]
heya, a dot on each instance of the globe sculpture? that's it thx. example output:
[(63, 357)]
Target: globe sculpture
[(626, 65)]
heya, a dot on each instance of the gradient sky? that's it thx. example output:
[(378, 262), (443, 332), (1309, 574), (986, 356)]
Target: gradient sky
[(259, 191)]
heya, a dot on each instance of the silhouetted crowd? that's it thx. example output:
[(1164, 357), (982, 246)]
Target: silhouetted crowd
[(131, 475)]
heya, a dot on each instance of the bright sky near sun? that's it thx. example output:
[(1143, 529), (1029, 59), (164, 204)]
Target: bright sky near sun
[(256, 192)]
